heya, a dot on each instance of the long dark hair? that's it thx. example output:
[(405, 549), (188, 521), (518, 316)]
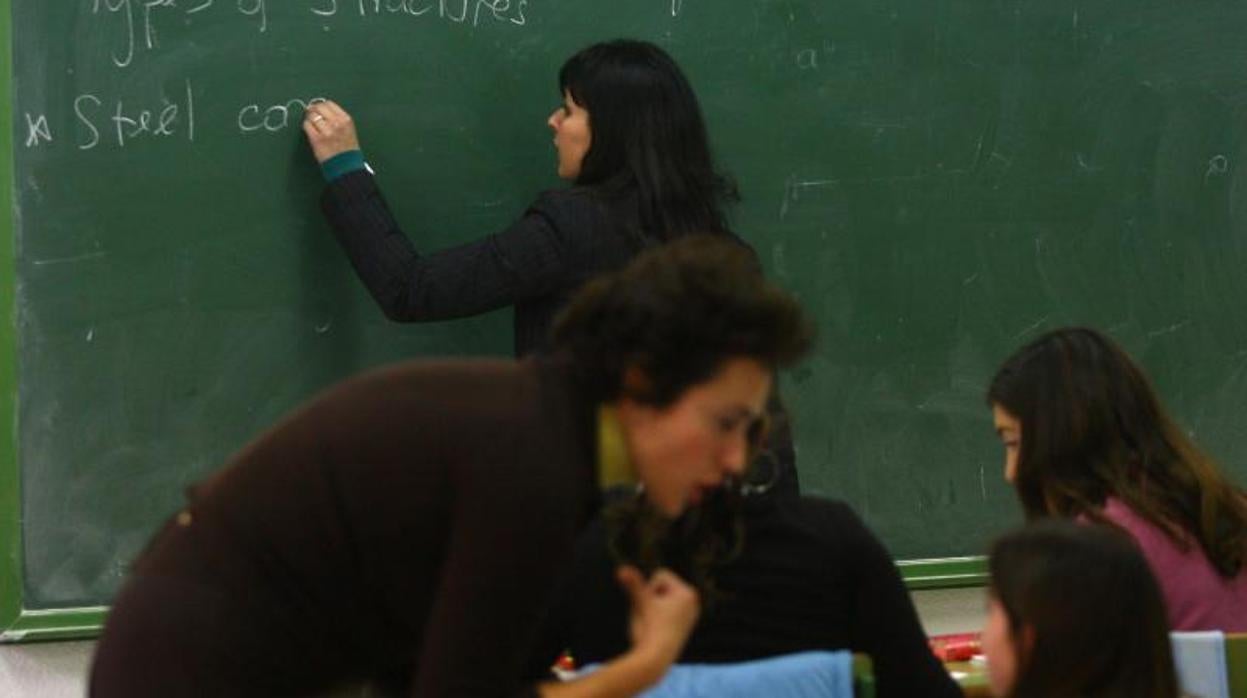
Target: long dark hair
[(1092, 427), (1085, 614), (648, 137)]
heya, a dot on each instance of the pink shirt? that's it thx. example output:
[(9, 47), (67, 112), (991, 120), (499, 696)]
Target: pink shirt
[(1197, 597)]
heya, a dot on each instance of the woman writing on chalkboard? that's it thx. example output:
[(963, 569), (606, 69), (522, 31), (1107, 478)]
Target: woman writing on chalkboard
[(630, 138), (411, 522), (1086, 437)]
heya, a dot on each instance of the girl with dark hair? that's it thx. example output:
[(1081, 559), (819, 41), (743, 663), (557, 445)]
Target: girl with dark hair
[(1086, 437), (1073, 611), (408, 525)]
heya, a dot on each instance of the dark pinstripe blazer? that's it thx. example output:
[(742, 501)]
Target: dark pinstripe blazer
[(564, 238)]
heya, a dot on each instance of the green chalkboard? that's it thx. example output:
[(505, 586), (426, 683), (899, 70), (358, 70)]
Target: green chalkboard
[(938, 179)]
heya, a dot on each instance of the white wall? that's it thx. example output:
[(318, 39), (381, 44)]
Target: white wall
[(951, 610), (44, 669)]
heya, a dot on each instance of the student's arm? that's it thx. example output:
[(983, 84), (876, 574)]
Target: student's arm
[(526, 260), (664, 611), (884, 623)]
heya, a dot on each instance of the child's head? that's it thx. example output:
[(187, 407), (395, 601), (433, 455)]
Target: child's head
[(1073, 610)]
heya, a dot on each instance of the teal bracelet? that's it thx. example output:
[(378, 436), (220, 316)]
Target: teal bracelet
[(342, 163)]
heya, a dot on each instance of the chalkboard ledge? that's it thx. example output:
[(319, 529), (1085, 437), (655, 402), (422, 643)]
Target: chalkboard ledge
[(54, 624), (944, 573), (86, 622)]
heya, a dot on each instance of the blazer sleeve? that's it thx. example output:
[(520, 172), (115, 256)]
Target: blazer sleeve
[(528, 259), (884, 622)]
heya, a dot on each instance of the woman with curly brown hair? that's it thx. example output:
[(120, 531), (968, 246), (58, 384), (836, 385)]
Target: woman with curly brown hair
[(407, 526)]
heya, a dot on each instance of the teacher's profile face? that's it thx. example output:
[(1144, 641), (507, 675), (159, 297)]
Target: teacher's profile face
[(572, 136)]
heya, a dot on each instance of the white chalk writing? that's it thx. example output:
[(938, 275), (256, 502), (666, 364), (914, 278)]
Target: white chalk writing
[(139, 21), (98, 119), (130, 123), (141, 32), (278, 117), (37, 130)]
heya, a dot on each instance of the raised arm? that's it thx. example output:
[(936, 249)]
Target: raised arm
[(527, 260)]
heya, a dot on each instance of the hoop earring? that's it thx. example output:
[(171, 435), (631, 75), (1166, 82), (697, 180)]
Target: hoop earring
[(748, 488)]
